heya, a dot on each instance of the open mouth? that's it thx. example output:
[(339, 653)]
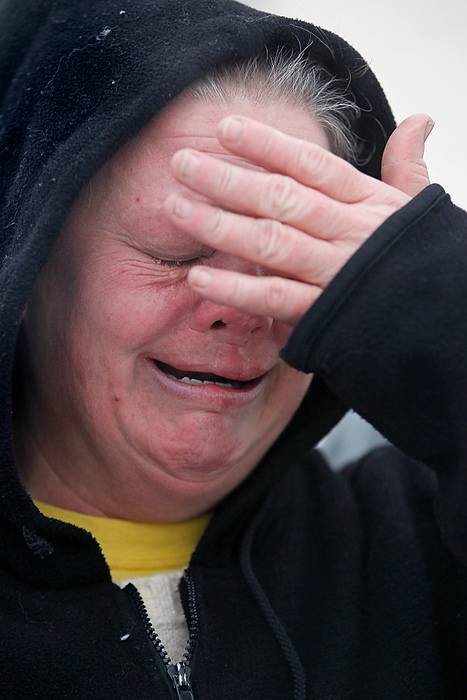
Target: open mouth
[(204, 378)]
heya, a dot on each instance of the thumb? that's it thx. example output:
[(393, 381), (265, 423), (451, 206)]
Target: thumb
[(402, 165)]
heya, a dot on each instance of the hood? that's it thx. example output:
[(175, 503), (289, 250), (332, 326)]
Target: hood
[(78, 79)]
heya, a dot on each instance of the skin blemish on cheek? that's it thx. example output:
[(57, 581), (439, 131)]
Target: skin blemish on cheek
[(137, 199), (117, 398)]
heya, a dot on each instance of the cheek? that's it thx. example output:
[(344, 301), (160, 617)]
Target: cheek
[(130, 310), (282, 332), (291, 387)]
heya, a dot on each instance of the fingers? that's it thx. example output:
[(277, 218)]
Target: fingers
[(403, 166), (265, 242), (261, 194), (305, 162), (302, 217), (283, 300)]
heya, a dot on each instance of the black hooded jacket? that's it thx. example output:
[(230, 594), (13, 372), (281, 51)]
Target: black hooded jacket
[(307, 583)]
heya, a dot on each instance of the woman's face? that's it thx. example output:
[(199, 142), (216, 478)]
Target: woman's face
[(143, 401)]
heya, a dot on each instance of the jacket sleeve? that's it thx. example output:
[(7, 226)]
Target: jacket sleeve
[(389, 338)]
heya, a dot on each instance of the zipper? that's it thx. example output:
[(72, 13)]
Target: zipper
[(178, 673)]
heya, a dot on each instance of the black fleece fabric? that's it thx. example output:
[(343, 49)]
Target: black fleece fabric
[(307, 583)]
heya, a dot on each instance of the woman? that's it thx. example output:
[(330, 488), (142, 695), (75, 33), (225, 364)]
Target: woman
[(148, 393)]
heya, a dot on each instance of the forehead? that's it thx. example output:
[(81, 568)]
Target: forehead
[(193, 123), (130, 190)]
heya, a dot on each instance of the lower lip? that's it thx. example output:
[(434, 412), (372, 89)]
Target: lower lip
[(208, 393)]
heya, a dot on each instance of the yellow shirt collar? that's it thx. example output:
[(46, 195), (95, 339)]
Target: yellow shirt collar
[(134, 549)]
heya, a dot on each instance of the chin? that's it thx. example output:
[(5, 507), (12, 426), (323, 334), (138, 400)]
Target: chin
[(203, 464)]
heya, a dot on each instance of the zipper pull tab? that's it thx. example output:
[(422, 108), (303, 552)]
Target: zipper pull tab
[(180, 675)]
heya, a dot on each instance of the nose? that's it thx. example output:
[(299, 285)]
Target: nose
[(235, 326)]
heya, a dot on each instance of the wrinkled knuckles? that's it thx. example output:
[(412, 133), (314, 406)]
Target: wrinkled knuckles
[(312, 161), (216, 228), (224, 180), (305, 163), (281, 197), (269, 242), (276, 297), (269, 143), (237, 294)]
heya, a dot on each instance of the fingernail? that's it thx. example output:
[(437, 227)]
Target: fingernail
[(190, 164), (428, 129), (200, 277), (183, 208), (233, 129)]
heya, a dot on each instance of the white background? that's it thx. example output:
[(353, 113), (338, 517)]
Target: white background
[(418, 51)]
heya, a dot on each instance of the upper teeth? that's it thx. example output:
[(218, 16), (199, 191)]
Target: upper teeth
[(187, 380)]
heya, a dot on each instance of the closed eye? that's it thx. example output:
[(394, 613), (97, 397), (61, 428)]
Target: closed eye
[(176, 263)]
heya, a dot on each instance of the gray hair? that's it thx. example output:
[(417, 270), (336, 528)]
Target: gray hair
[(289, 76)]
